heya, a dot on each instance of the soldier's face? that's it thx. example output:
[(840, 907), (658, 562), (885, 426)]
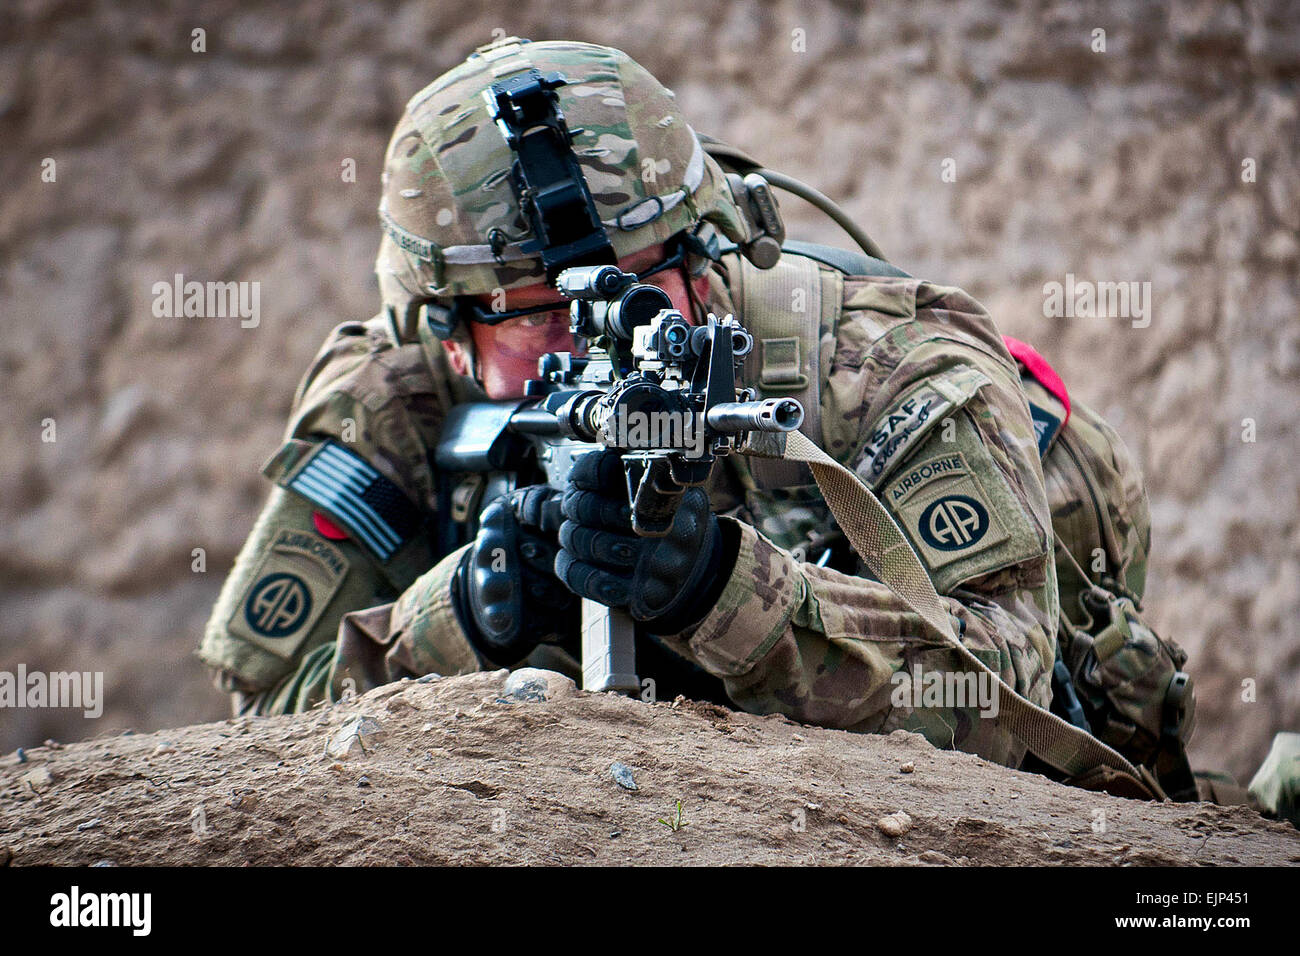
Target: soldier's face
[(507, 353)]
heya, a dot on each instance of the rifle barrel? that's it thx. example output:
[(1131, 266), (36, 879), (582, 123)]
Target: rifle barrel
[(768, 415)]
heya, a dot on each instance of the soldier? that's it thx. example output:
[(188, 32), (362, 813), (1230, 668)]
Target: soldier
[(367, 564)]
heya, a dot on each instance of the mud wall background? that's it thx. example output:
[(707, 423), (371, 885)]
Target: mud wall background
[(1169, 158)]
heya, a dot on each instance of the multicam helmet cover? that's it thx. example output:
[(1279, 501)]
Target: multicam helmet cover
[(452, 225)]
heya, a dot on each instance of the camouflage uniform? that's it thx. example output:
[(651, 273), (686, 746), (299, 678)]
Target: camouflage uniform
[(917, 393), (1275, 788)]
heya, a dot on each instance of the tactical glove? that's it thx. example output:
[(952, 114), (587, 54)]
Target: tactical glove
[(505, 592), (669, 583)]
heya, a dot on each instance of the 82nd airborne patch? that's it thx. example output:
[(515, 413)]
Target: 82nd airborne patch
[(943, 506), (278, 605), (953, 522), (299, 575)]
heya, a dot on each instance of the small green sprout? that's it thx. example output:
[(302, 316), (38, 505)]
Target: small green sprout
[(676, 823)]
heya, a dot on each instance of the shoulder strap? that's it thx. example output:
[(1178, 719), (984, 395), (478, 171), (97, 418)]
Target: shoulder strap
[(786, 360), (886, 552)]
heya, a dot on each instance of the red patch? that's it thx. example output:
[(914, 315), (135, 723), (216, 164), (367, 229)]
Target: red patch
[(1028, 356), (328, 528)]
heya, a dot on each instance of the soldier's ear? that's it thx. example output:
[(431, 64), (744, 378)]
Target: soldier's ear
[(459, 354)]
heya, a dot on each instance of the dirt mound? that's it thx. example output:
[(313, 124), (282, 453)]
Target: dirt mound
[(460, 770)]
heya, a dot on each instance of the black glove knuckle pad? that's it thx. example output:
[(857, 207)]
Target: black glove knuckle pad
[(597, 471), (593, 509), (599, 547), (512, 598), (494, 574), (671, 568)]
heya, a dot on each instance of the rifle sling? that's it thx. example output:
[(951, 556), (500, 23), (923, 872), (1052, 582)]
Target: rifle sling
[(889, 556)]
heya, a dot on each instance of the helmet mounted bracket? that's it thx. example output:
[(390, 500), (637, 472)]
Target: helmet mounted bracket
[(545, 176)]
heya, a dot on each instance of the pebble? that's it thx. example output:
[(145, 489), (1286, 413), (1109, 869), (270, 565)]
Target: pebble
[(38, 779), (895, 824), (533, 684), (163, 748), (364, 781), (908, 767), (360, 734), (22, 755), (89, 824), (622, 775)]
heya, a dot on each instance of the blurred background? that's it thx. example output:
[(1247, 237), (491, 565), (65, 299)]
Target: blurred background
[(1169, 157)]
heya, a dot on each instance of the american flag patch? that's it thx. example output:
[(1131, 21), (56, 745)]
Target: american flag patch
[(372, 509)]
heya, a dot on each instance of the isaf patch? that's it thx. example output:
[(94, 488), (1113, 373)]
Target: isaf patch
[(912, 417), (298, 577)]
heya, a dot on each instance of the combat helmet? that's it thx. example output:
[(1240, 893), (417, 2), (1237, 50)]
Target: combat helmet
[(469, 207)]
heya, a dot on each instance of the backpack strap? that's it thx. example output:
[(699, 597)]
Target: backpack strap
[(1049, 407), (786, 308)]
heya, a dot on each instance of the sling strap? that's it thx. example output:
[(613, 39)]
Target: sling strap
[(889, 556)]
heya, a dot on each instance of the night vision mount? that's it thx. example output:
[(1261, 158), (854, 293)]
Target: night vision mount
[(545, 176)]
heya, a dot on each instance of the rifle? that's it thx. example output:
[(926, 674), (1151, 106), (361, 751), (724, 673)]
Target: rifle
[(661, 391)]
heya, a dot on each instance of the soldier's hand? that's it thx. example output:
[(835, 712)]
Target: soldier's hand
[(507, 595), (670, 582)]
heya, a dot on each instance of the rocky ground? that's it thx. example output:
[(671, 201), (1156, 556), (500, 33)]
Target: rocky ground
[(463, 770), (1169, 157)]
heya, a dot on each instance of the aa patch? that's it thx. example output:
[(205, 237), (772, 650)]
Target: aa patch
[(958, 508), (954, 521), (278, 605), (299, 575)]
